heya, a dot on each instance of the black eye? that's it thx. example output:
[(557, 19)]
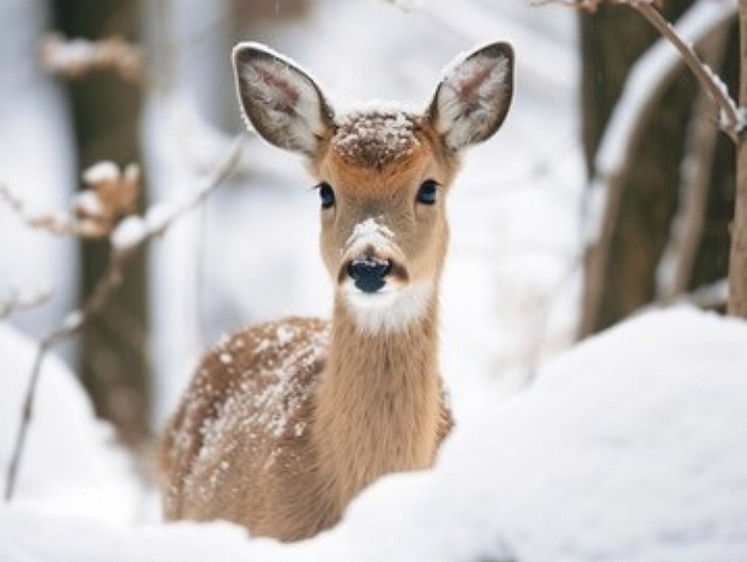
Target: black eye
[(427, 192), (326, 194)]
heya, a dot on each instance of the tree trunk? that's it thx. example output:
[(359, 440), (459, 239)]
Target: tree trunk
[(738, 259), (105, 111), (712, 259), (612, 39)]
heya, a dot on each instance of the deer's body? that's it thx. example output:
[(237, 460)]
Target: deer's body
[(284, 423)]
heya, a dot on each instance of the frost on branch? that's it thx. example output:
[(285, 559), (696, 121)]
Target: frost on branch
[(74, 58)]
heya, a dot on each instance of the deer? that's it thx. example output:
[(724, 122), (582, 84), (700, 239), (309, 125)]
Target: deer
[(285, 422)]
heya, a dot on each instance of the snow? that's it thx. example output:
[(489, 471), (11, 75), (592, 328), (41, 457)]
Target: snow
[(70, 465), (370, 232), (105, 171), (72, 321), (379, 137), (628, 447), (130, 232), (88, 203)]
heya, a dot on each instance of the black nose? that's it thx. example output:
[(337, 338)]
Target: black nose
[(369, 273)]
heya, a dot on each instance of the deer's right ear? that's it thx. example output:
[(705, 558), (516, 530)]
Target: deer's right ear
[(281, 101)]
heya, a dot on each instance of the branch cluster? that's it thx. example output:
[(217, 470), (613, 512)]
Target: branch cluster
[(110, 195), (129, 235)]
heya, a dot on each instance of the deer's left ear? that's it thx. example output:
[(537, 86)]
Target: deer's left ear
[(473, 98)]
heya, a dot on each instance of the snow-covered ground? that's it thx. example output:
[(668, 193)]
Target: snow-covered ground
[(630, 446)]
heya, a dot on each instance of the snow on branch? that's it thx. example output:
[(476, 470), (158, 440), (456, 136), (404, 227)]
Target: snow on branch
[(74, 58), (17, 299), (130, 234), (702, 17), (110, 195)]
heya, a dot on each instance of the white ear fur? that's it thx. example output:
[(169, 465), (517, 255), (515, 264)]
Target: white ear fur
[(473, 98), (281, 101)]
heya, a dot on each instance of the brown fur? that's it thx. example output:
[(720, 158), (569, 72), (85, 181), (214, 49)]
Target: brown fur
[(350, 419)]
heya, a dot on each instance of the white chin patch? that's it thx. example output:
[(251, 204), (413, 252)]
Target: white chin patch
[(391, 309)]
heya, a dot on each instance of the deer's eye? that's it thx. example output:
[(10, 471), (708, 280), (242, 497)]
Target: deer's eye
[(427, 192), (326, 195)]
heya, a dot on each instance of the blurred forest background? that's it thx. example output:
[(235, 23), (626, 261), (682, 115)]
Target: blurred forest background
[(149, 81)]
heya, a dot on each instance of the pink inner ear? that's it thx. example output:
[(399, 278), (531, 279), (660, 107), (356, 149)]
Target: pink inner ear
[(287, 93), (469, 89)]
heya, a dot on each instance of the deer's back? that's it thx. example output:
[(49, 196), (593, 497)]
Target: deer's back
[(239, 447)]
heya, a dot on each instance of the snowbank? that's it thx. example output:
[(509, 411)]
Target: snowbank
[(70, 465), (630, 447)]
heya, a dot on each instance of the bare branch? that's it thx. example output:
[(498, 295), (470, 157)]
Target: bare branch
[(59, 224), (22, 300), (708, 80), (110, 196), (74, 58), (126, 240)]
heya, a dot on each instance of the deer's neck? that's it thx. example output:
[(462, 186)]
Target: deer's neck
[(379, 401)]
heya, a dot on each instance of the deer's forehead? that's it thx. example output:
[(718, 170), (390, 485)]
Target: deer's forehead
[(378, 153), (376, 139)]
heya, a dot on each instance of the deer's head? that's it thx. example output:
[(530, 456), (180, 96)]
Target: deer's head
[(383, 172)]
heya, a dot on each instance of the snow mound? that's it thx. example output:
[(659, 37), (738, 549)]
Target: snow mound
[(70, 464), (630, 447)]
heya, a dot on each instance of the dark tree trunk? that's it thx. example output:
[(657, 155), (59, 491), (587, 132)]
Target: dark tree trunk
[(612, 40), (105, 109), (712, 258)]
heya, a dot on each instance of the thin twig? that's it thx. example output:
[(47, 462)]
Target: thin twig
[(120, 255), (702, 72), (18, 300), (730, 122)]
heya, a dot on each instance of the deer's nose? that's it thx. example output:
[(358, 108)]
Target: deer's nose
[(369, 273)]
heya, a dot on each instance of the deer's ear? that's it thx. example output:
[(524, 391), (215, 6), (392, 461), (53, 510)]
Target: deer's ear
[(281, 101), (473, 98)]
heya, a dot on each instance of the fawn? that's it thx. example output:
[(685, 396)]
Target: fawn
[(285, 422)]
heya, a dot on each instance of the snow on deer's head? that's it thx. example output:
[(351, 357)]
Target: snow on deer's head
[(383, 171)]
